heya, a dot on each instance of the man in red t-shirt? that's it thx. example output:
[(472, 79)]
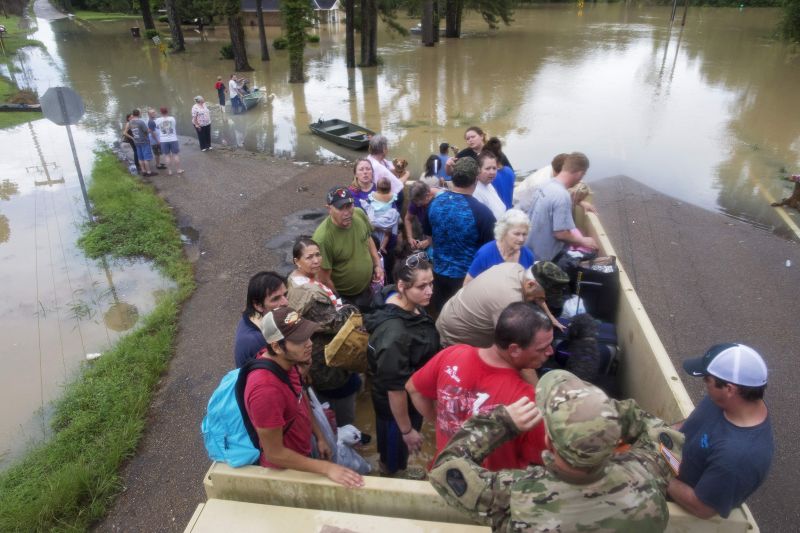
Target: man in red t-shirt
[(462, 381), (281, 414)]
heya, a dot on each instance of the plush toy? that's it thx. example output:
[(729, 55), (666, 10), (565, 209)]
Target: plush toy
[(794, 199), (349, 436)]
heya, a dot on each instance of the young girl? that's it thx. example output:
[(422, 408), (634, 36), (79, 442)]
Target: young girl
[(430, 175), (382, 214)]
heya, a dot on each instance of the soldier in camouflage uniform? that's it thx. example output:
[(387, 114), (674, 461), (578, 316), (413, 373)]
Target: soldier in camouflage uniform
[(589, 482)]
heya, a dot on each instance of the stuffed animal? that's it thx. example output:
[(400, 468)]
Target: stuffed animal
[(794, 199), (399, 166), (349, 436)]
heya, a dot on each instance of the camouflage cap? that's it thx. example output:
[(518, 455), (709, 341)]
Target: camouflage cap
[(580, 419), (553, 280)]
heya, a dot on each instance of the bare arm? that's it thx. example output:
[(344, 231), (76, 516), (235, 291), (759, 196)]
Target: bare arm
[(685, 496), (398, 403), (568, 237), (408, 225), (423, 404), (324, 277), (377, 269), (276, 453)]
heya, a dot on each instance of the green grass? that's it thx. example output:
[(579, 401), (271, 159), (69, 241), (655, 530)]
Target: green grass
[(15, 118), (99, 15), (14, 39), (70, 481)]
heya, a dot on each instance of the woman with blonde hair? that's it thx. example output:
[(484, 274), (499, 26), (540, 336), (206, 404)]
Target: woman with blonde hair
[(508, 246)]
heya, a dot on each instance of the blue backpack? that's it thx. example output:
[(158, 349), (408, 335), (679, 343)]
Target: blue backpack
[(228, 433)]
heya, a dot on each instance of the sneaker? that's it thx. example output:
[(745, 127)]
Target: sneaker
[(181, 171), (161, 167), (204, 149), (210, 148)]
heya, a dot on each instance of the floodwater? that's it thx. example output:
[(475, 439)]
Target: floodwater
[(707, 113)]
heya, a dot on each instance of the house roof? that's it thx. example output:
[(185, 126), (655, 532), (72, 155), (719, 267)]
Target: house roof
[(249, 6)]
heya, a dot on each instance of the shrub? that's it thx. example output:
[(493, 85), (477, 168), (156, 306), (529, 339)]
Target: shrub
[(312, 38), (790, 24), (226, 51), (163, 18), (149, 34), (281, 43)]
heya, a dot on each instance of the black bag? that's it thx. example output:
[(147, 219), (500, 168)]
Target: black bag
[(597, 285)]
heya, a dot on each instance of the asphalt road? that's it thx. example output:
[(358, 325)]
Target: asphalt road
[(705, 278)]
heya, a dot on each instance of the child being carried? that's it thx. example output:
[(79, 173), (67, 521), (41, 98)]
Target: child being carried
[(382, 214)]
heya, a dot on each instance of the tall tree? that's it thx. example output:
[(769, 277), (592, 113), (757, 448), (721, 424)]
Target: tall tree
[(428, 29), (175, 30), (453, 11), (790, 23), (232, 9), (147, 15), (349, 30), (492, 11), (369, 33), (262, 31), (296, 18)]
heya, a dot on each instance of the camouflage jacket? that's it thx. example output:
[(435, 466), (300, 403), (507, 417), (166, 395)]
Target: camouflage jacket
[(627, 494)]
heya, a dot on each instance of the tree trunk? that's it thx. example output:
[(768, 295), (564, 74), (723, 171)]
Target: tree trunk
[(237, 42), (369, 33), (262, 31), (295, 18), (147, 15), (427, 23), (175, 26), (453, 18), (350, 41)]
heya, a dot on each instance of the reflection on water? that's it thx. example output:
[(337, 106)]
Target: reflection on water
[(706, 113), (57, 306)]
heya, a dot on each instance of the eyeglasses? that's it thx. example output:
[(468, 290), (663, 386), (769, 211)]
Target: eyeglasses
[(414, 260)]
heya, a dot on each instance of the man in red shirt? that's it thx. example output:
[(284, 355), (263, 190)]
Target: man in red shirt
[(462, 381), (280, 412)]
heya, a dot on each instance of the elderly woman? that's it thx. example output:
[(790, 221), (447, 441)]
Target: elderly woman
[(382, 167), (508, 246), (318, 303)]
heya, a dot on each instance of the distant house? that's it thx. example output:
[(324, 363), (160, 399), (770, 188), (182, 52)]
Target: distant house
[(326, 10)]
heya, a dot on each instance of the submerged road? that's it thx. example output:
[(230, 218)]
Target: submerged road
[(703, 279)]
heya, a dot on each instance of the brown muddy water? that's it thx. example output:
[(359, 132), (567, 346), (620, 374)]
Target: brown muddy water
[(708, 114)]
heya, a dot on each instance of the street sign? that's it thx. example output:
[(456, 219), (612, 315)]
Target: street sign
[(62, 105)]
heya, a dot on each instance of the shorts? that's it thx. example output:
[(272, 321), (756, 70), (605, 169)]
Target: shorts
[(156, 148), (171, 147), (144, 151)]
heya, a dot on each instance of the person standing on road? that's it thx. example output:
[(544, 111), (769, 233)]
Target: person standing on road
[(141, 137), (201, 118), (155, 140), (585, 484), (729, 442), (170, 146), (235, 94)]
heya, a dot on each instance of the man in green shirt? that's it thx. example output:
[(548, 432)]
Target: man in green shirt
[(350, 260)]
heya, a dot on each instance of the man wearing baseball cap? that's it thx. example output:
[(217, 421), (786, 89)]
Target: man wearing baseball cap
[(279, 409), (729, 442), (350, 260), (586, 484)]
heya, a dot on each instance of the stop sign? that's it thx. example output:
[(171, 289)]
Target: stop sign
[(62, 105)]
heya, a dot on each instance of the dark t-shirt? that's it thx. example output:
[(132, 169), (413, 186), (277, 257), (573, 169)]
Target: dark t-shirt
[(724, 463), (459, 225), (138, 130), (469, 152), (248, 341)]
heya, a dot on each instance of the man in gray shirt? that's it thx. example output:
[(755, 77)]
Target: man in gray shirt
[(551, 213)]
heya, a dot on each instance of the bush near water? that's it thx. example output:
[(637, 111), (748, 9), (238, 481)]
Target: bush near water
[(70, 481)]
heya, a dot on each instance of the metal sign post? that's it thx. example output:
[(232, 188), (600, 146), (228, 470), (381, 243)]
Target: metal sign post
[(64, 106)]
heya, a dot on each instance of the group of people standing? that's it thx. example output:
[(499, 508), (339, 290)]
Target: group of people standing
[(152, 139), (514, 450), (235, 89)]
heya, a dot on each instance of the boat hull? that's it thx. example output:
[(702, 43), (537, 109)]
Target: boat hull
[(342, 133)]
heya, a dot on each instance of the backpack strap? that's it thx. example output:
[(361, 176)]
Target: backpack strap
[(241, 382)]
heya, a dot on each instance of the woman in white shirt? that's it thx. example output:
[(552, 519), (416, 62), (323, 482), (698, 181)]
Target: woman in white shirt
[(484, 192)]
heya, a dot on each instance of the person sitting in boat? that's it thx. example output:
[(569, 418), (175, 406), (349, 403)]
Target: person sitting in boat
[(523, 193), (265, 291), (430, 174), (362, 184), (504, 181), (421, 196), (508, 246), (476, 143), (444, 148), (317, 302)]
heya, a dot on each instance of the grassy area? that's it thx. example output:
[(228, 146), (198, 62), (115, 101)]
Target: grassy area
[(14, 39), (99, 15), (70, 481)]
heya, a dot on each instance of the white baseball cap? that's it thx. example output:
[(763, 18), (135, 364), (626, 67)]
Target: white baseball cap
[(732, 362)]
